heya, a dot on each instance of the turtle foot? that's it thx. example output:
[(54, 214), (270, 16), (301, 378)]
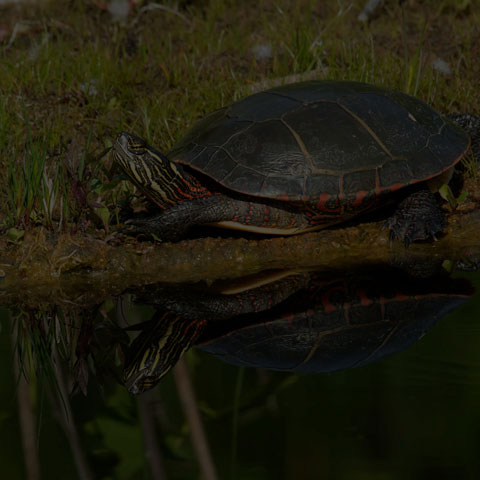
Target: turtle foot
[(418, 217), (151, 227)]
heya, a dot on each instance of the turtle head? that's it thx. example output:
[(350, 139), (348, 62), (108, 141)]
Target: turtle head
[(132, 152), (147, 168), (157, 349), (131, 143), (165, 182)]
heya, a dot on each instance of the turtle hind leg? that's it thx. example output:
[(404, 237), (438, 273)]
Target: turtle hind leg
[(417, 217)]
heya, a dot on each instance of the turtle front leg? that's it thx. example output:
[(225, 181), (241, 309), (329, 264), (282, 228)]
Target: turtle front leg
[(417, 217), (219, 210)]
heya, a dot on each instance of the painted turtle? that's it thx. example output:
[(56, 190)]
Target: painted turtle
[(303, 322), (301, 157)]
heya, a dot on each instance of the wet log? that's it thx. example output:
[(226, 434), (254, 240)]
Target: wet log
[(46, 267)]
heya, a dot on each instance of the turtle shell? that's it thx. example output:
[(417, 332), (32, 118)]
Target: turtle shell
[(343, 140)]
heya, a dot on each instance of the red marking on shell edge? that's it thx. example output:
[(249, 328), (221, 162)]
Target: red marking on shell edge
[(346, 312), (327, 305), (321, 204), (359, 198), (289, 318), (399, 296), (364, 300)]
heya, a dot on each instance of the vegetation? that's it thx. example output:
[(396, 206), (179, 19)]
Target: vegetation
[(74, 77)]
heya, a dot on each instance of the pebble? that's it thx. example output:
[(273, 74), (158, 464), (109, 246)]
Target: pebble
[(262, 51), (441, 66)]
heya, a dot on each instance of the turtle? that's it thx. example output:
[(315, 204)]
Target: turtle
[(301, 157), (309, 322)]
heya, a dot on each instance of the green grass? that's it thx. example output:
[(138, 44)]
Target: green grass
[(75, 71)]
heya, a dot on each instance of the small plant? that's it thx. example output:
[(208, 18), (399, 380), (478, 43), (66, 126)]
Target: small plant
[(25, 177), (470, 163), (452, 202)]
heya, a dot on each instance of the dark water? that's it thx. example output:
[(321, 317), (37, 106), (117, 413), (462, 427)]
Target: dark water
[(414, 414)]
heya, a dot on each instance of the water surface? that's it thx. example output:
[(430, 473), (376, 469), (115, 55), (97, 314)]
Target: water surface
[(413, 415)]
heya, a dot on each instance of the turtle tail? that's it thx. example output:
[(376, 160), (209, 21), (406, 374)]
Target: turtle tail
[(471, 124)]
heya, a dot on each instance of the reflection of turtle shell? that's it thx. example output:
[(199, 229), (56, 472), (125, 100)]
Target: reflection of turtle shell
[(337, 326), (301, 322)]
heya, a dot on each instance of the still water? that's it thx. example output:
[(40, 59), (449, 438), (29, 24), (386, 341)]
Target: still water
[(410, 414)]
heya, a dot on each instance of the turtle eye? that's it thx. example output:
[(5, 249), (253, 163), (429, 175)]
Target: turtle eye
[(136, 146)]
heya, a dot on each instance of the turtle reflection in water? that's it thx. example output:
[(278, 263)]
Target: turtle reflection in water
[(300, 322), (302, 157)]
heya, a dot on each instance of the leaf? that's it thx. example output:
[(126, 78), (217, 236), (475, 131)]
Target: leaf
[(447, 265), (14, 235), (101, 188), (444, 192), (447, 194), (101, 212), (463, 196), (112, 103)]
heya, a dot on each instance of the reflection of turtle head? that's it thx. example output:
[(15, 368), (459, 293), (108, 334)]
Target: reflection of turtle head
[(156, 350)]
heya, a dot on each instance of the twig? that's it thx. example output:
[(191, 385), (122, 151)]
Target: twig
[(199, 439), (65, 416), (369, 10), (236, 409), (13, 36), (158, 6), (316, 74), (153, 452), (27, 422)]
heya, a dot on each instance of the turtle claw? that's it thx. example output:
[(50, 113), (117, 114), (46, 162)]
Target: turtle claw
[(391, 236), (417, 217), (131, 228), (153, 227)]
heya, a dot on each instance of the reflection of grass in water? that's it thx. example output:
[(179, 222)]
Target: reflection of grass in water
[(236, 412), (36, 379), (46, 345), (36, 336)]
